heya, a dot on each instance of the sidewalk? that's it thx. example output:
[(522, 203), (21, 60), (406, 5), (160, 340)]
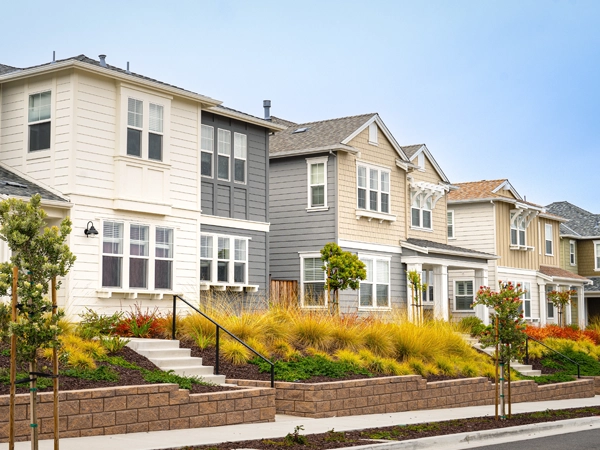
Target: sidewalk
[(285, 424)]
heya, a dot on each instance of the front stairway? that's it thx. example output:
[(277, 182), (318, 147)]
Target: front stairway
[(523, 369), (167, 355)]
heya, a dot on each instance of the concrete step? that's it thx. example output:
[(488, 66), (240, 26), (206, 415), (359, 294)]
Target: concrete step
[(152, 344), (168, 363), (166, 353)]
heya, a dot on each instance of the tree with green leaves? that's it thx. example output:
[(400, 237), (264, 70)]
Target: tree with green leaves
[(343, 270), (560, 299), (40, 253)]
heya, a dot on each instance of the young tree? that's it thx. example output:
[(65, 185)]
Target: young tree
[(560, 299), (417, 288), (343, 270), (40, 253)]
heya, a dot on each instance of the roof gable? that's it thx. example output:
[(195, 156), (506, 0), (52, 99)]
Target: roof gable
[(484, 190), (415, 150)]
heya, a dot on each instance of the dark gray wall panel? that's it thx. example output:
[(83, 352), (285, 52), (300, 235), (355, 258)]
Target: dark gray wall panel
[(207, 196), (239, 203), (223, 201)]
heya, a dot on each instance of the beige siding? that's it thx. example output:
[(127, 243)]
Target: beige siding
[(554, 259), (565, 255), (515, 258), (585, 255), (388, 233), (474, 226), (12, 124), (62, 132)]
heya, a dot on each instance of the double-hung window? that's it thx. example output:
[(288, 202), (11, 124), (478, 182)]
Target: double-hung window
[(138, 256), (317, 182), (39, 121), (155, 135), (224, 154), (206, 150), (313, 282), (373, 188), (517, 231), (427, 279), (240, 150), (548, 240), (597, 255), (421, 211), (135, 125), (550, 313), (112, 254), (223, 256), (572, 257), (526, 298), (163, 264), (240, 258), (206, 257), (463, 295), (450, 222), (375, 289), (223, 259)]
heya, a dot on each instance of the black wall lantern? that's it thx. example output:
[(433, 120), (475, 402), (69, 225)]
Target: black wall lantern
[(90, 229)]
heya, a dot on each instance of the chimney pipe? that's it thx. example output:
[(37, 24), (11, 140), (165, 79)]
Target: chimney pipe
[(102, 60), (128, 67), (53, 56), (267, 106)]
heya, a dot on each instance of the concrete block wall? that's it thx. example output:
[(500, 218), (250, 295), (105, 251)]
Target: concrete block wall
[(135, 409)]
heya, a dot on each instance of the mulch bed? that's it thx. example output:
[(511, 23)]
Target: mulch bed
[(332, 439), (127, 377)]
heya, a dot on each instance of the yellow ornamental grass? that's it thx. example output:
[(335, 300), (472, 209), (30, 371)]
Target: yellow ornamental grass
[(80, 359), (346, 335), (445, 366), (392, 367), (195, 324), (468, 369), (246, 326), (259, 347), (417, 366), (235, 352), (312, 330), (349, 357), (377, 338)]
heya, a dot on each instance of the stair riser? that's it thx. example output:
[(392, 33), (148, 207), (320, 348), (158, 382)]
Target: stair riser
[(172, 353), (176, 362), (153, 345), (203, 371)]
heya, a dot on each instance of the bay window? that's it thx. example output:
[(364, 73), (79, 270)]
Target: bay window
[(206, 257), (112, 254), (517, 231), (135, 123), (163, 265), (136, 142), (155, 136), (223, 260), (138, 256)]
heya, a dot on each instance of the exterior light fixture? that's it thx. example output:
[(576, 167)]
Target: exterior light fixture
[(90, 229)]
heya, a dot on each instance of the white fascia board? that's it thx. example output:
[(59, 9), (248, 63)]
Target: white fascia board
[(234, 223), (310, 151), (440, 251), (55, 67), (386, 133), (368, 246), (572, 280), (456, 265), (553, 217), (246, 118), (506, 185), (433, 162), (482, 200)]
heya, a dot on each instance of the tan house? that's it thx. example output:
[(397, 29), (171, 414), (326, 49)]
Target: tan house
[(491, 216)]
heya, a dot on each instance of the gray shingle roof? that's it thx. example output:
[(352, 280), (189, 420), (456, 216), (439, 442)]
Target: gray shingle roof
[(410, 150), (7, 69), (581, 222), (284, 122), (593, 287), (318, 134), (450, 248), (12, 184)]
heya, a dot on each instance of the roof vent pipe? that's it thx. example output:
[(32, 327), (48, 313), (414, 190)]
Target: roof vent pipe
[(102, 60), (267, 106), (128, 67), (53, 56)]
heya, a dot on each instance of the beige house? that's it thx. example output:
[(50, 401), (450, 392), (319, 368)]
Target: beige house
[(491, 216)]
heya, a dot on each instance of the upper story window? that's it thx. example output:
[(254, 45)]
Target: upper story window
[(223, 259), (597, 255), (373, 133), (317, 183), (421, 211), (240, 150), (142, 135), (572, 253), (39, 121), (224, 154), (373, 186), (517, 230), (207, 150), (548, 239), (375, 289), (450, 222)]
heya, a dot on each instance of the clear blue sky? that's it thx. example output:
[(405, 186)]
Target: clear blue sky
[(496, 89)]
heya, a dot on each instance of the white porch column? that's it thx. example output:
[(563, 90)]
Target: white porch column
[(568, 312), (542, 303), (581, 309), (409, 298), (481, 279), (440, 293)]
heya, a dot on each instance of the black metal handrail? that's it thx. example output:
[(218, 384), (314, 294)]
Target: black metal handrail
[(219, 327), (549, 348)]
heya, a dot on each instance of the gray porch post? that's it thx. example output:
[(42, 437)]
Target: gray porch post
[(581, 308), (481, 279), (440, 293)]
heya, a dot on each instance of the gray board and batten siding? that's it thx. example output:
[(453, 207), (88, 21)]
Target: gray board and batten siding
[(237, 200), (293, 228)]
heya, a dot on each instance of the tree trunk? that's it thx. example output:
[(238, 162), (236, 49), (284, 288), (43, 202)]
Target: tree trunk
[(33, 404)]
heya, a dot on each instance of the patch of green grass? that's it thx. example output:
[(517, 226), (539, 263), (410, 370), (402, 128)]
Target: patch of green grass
[(102, 373), (558, 377), (120, 361), (337, 436), (158, 376), (5, 352), (309, 366)]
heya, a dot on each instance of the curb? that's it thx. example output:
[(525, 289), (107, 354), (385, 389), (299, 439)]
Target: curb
[(480, 438)]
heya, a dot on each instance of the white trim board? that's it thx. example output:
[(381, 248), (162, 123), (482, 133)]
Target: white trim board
[(238, 224), (367, 246)]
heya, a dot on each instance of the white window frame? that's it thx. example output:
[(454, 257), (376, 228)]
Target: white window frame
[(450, 223), (525, 297), (240, 153), (223, 151), (231, 260), (126, 256), (154, 119), (419, 204), (303, 282), (156, 128), (369, 189), (145, 257), (374, 280), (310, 162), (596, 256), (572, 253), (373, 134), (549, 305), (519, 227), (207, 147), (38, 121), (463, 280), (548, 231), (427, 278)]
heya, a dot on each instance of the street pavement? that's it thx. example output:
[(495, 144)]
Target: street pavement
[(285, 424)]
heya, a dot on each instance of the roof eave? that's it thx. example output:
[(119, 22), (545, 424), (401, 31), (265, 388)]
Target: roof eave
[(310, 151), (246, 118)]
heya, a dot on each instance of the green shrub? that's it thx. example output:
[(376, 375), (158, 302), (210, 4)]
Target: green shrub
[(113, 344), (94, 324), (472, 325), (158, 376), (309, 366), (102, 373)]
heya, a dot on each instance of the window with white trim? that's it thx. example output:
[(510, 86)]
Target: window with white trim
[(421, 211), (373, 133), (517, 231), (525, 307), (128, 262), (39, 119), (373, 185), (317, 182), (136, 140), (548, 239), (240, 150), (450, 222), (207, 150), (374, 291), (313, 282), (224, 154), (223, 259), (597, 255), (463, 295), (572, 253), (550, 307), (427, 279)]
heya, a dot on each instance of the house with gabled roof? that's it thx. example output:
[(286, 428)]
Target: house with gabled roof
[(580, 250), (491, 216), (348, 181), (166, 186)]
